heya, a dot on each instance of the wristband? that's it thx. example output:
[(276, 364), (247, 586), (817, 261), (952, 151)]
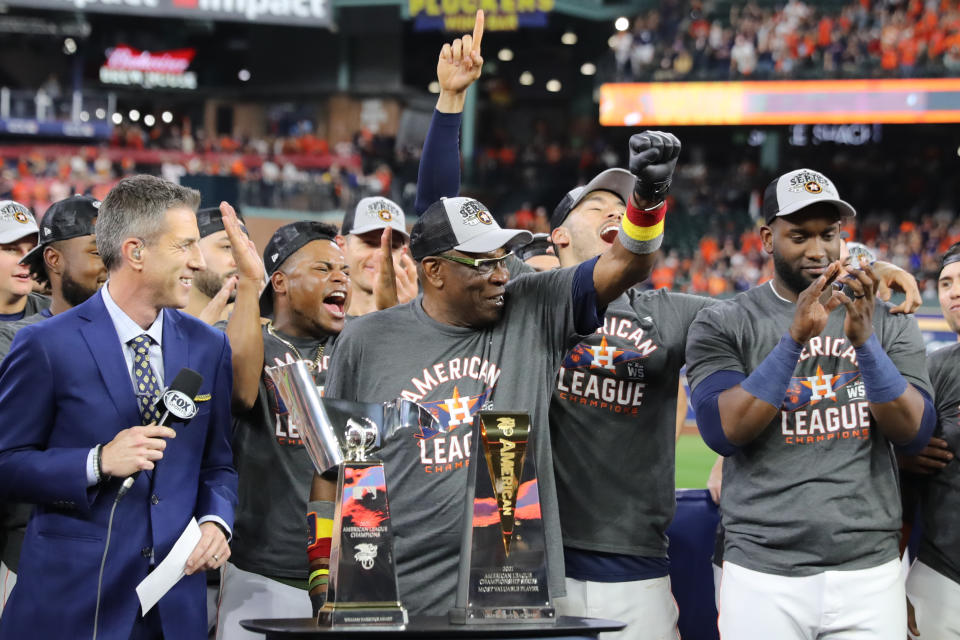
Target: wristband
[(882, 381), (318, 547), (769, 381), (641, 230)]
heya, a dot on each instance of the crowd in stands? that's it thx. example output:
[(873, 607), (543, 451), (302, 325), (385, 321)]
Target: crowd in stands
[(715, 40), (284, 172), (713, 246)]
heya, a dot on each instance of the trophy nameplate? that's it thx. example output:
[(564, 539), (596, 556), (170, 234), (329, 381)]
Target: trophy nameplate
[(343, 435), (503, 558)]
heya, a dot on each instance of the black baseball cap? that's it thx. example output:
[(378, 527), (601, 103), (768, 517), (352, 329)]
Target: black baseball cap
[(539, 246), (210, 221), (286, 241), (620, 182), (68, 218), (463, 224)]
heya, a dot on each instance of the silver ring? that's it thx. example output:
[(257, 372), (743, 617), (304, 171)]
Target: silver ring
[(216, 558), (857, 297)]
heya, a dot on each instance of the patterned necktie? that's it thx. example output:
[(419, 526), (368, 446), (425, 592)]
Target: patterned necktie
[(145, 379)]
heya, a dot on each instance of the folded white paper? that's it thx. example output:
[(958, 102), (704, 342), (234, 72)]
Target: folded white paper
[(168, 572)]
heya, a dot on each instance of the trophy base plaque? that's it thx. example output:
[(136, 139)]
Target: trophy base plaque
[(368, 614), (490, 615)]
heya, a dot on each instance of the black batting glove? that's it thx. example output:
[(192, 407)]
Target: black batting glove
[(653, 157)]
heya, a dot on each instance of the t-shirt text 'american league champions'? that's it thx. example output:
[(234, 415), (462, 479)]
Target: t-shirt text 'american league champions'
[(818, 488), (455, 372)]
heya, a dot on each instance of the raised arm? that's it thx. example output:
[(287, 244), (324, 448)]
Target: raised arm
[(653, 158), (733, 408), (243, 328), (458, 66)]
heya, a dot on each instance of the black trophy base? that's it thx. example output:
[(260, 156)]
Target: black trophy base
[(501, 615), (372, 614)]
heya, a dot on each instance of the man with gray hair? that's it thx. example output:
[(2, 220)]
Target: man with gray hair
[(70, 389)]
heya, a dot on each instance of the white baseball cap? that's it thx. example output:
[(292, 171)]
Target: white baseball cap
[(16, 222), (374, 213), (798, 189)]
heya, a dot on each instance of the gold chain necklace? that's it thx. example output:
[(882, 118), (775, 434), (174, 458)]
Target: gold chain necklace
[(314, 365)]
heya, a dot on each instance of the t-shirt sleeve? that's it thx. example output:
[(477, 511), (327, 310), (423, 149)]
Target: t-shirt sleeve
[(687, 308), (942, 377), (547, 299), (906, 349), (6, 339), (518, 267), (711, 346)]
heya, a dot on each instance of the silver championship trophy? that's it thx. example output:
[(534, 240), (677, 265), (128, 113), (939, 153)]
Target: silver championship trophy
[(503, 558), (362, 587)]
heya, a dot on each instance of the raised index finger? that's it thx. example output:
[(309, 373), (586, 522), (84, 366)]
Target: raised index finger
[(478, 31)]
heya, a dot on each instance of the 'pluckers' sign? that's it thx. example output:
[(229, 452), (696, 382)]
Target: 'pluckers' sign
[(459, 15)]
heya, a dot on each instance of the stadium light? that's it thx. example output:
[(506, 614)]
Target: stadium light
[(243, 75), (569, 38), (101, 114), (622, 24), (69, 46), (167, 117), (588, 68), (149, 120), (505, 55), (554, 85), (116, 118), (526, 78), (84, 116), (434, 87), (134, 115)]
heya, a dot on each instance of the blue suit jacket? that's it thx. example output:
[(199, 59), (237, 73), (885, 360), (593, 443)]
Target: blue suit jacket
[(65, 387)]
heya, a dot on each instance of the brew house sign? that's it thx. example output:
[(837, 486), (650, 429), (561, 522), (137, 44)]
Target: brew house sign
[(160, 70)]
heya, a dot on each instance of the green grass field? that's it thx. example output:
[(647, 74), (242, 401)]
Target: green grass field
[(694, 460)]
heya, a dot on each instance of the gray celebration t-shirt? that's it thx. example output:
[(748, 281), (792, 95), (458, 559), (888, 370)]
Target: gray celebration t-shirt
[(455, 372), (15, 516), (613, 425), (817, 489), (940, 499), (270, 533)]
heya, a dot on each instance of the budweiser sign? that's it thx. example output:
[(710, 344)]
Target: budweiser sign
[(129, 59), (164, 69)]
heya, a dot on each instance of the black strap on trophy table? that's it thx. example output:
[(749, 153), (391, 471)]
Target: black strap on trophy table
[(433, 628)]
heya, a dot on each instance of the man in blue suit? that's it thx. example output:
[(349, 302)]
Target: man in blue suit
[(75, 394)]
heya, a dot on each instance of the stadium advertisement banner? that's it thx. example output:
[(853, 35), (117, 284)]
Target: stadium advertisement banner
[(164, 69), (459, 15), (304, 13), (903, 101)]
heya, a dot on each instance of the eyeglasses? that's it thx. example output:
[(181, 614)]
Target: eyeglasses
[(483, 266)]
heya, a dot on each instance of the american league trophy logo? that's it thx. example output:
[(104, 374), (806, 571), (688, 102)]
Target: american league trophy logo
[(503, 561), (338, 434)]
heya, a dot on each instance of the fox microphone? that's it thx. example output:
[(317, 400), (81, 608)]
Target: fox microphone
[(175, 404)]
